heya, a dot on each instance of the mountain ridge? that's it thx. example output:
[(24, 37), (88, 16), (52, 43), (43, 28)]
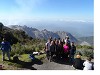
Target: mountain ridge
[(89, 39), (44, 34)]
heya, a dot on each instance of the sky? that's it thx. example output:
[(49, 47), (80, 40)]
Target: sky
[(13, 11)]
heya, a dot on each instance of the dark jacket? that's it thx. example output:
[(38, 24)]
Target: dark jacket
[(78, 63), (52, 48), (60, 48), (5, 46), (72, 50)]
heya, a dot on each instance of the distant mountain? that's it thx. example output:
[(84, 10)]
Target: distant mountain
[(62, 34), (89, 40), (85, 43), (76, 28), (44, 34)]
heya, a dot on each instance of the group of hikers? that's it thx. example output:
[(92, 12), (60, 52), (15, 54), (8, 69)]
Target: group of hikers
[(61, 49), (64, 49)]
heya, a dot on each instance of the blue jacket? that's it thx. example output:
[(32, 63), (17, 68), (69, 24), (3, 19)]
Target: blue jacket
[(5, 46)]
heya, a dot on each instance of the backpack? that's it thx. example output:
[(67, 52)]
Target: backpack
[(31, 56)]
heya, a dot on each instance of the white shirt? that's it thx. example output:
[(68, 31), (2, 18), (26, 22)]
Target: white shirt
[(88, 65), (67, 41), (48, 45)]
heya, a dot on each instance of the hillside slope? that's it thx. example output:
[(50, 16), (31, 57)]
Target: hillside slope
[(89, 40), (14, 36)]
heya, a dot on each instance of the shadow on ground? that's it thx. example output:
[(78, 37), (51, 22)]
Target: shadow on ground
[(28, 65)]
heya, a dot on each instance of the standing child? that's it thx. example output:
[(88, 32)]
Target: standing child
[(88, 64)]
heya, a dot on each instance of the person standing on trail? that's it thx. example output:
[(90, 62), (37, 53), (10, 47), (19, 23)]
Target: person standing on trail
[(6, 48), (52, 50), (60, 49), (72, 52), (47, 49), (68, 41), (57, 49), (66, 50)]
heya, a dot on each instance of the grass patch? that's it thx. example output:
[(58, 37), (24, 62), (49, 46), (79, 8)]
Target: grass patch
[(40, 57), (8, 65), (25, 58)]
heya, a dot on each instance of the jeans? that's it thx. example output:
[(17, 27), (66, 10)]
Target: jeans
[(72, 58), (3, 54), (48, 54)]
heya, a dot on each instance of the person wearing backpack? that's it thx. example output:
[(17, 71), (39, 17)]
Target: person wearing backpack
[(6, 48)]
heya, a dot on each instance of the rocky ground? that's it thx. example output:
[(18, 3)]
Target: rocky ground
[(54, 65)]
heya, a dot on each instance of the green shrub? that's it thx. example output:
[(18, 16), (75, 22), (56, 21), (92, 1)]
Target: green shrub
[(22, 49), (86, 52), (0, 52), (27, 47), (84, 47), (37, 49)]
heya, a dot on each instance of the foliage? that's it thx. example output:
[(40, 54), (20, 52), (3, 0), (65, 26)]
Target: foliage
[(21, 42), (24, 62), (21, 49), (86, 52), (27, 48), (84, 47), (40, 57), (89, 39)]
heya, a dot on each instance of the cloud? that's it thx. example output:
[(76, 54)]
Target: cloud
[(24, 11), (29, 5)]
